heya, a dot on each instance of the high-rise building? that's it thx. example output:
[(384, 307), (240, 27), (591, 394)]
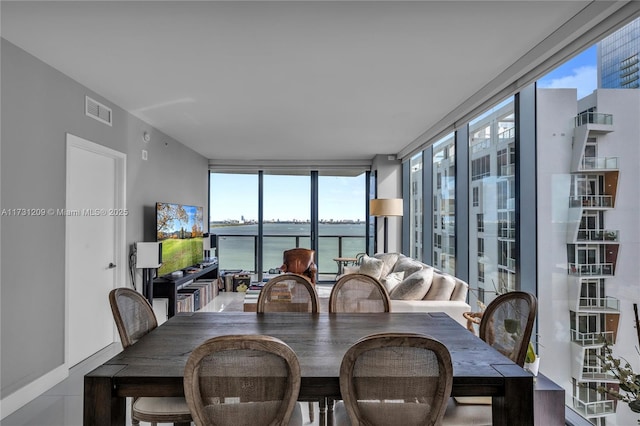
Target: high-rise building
[(444, 205), (618, 58), (587, 194), (492, 171)]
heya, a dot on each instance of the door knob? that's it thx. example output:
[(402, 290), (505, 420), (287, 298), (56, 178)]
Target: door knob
[(111, 265)]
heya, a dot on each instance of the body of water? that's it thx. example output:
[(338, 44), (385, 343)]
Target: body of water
[(237, 243)]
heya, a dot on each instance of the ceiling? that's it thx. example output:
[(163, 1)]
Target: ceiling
[(298, 80)]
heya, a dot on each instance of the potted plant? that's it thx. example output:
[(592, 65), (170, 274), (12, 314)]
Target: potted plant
[(532, 360)]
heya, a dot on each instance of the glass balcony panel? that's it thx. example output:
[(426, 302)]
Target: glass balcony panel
[(599, 303), (592, 338), (237, 252), (594, 409), (593, 118), (600, 163), (591, 201), (598, 235), (590, 269)]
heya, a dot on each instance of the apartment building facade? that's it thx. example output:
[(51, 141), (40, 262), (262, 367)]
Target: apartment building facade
[(589, 229)]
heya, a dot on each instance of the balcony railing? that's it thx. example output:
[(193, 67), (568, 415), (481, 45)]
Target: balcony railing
[(600, 163), (599, 304), (592, 339), (507, 233), (239, 251), (507, 134), (508, 170), (593, 118), (598, 235), (596, 373), (594, 409), (478, 145), (591, 269), (591, 201)]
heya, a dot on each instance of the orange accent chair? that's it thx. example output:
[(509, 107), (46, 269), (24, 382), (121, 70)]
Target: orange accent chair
[(300, 261)]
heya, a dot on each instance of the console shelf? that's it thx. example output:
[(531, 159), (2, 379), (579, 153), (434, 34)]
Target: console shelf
[(168, 286)]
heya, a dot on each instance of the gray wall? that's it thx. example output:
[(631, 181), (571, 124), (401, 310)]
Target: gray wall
[(39, 106)]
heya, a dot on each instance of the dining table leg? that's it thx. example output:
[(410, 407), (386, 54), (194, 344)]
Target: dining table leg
[(516, 406), (101, 407)]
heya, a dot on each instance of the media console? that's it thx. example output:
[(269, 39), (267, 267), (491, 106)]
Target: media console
[(168, 286)]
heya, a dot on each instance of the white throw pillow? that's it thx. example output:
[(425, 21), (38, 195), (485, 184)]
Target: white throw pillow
[(414, 287), (371, 266), (441, 288), (389, 260), (407, 265), (392, 280), (350, 270)]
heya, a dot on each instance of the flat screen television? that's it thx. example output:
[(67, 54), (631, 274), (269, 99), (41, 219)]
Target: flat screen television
[(179, 229)]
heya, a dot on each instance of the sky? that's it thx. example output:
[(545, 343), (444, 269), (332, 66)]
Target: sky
[(580, 72), (286, 198)]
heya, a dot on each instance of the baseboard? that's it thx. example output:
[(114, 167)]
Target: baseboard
[(28, 393)]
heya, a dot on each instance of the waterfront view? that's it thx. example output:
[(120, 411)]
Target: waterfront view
[(237, 243)]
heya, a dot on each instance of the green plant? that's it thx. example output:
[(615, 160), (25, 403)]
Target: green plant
[(531, 354)]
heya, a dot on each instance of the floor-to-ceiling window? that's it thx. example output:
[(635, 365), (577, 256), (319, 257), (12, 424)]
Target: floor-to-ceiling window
[(342, 219), (233, 217), (444, 209), (258, 215), (286, 216), (492, 169), (415, 207)]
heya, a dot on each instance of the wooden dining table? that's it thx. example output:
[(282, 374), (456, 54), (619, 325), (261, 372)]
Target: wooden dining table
[(154, 366)]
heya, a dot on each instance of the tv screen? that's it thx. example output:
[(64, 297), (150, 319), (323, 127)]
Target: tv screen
[(179, 228)]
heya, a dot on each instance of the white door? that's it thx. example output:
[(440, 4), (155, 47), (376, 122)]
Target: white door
[(94, 234)]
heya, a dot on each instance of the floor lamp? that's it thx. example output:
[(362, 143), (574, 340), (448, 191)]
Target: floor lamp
[(148, 258), (385, 207)]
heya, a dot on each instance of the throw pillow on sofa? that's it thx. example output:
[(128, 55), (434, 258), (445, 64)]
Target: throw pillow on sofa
[(407, 265), (371, 266), (414, 287), (392, 280), (389, 260), (442, 287), (350, 269)]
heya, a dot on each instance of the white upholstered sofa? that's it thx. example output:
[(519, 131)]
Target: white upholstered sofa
[(415, 286)]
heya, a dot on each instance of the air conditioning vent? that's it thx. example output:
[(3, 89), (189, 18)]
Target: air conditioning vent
[(95, 109)]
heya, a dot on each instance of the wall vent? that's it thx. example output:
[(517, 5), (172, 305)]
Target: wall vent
[(100, 112)]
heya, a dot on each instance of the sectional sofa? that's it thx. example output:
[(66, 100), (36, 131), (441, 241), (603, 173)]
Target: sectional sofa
[(415, 286)]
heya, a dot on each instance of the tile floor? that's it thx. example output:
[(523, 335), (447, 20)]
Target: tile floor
[(62, 404)]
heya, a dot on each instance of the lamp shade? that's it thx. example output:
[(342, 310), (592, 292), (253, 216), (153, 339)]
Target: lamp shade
[(148, 255), (385, 207)]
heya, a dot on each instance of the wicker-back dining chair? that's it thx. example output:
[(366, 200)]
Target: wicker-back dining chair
[(507, 324), (358, 293), (288, 293), (243, 380), (394, 379), (134, 318)]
